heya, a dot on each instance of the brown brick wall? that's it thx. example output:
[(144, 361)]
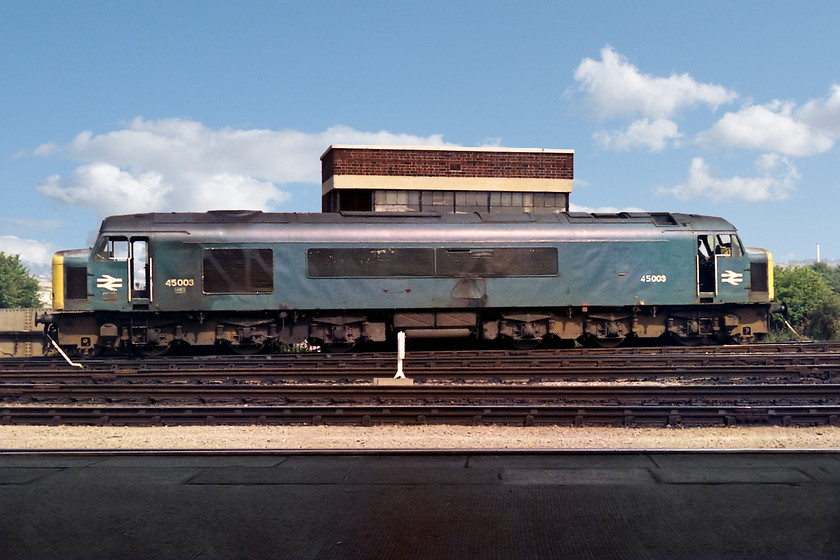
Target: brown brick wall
[(446, 163)]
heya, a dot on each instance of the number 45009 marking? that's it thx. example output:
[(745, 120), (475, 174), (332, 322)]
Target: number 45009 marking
[(654, 278)]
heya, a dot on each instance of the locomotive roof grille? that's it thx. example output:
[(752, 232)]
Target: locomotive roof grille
[(166, 221)]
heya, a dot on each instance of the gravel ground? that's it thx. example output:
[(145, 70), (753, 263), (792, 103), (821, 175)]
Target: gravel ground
[(414, 437)]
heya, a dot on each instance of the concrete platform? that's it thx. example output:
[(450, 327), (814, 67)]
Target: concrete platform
[(421, 505)]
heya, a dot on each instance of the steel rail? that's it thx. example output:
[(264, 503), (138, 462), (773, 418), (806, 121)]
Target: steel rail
[(623, 394), (772, 354), (569, 415), (734, 374), (463, 368)]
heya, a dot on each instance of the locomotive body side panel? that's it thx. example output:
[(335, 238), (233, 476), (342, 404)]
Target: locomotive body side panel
[(248, 276), (601, 264)]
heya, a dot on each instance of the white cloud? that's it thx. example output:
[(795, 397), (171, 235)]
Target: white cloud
[(103, 186), (601, 209), (776, 179), (182, 165), (26, 224), (30, 251), (823, 114), (615, 88), (771, 127), (643, 133)]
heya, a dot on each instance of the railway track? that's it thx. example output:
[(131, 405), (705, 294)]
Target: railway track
[(420, 415), (776, 384), (755, 363), (467, 395)]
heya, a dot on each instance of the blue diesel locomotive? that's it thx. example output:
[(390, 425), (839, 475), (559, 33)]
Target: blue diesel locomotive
[(245, 278)]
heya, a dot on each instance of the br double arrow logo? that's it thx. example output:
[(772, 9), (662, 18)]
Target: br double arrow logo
[(732, 278), (108, 282)]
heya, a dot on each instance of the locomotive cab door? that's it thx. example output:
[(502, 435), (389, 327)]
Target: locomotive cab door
[(140, 272), (732, 268), (124, 272), (719, 267), (706, 267)]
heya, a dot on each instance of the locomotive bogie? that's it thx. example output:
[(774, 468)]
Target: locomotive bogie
[(341, 330)]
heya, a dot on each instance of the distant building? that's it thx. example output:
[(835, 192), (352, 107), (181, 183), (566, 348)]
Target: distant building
[(45, 290), (445, 180)]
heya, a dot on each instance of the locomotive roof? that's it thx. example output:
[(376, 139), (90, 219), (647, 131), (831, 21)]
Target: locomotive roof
[(189, 221)]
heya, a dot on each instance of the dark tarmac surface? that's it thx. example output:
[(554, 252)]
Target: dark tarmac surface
[(461, 504)]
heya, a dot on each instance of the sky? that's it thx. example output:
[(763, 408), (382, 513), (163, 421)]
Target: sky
[(729, 109)]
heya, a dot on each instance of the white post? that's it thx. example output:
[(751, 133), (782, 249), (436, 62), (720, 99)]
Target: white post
[(400, 355), (818, 252)]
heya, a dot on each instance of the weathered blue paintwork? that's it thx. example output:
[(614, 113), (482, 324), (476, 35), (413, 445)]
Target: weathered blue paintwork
[(614, 260)]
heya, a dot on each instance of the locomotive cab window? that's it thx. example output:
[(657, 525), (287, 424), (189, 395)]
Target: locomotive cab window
[(140, 268), (728, 246), (112, 248)]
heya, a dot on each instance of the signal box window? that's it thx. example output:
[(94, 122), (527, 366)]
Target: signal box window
[(396, 201), (438, 201), (466, 202)]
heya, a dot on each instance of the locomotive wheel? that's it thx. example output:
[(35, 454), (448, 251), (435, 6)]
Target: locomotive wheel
[(596, 342), (524, 344), (691, 341), (248, 349), (338, 347), (609, 342), (152, 350)]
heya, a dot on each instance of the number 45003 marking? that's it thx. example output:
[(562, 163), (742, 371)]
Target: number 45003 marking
[(180, 282), (654, 278)]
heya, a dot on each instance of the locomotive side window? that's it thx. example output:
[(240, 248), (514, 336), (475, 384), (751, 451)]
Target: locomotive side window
[(446, 263), (232, 271), (369, 263), (497, 262)]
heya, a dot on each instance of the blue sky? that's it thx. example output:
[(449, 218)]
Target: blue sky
[(721, 108)]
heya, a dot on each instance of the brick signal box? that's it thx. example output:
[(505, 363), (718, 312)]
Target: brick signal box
[(445, 180)]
